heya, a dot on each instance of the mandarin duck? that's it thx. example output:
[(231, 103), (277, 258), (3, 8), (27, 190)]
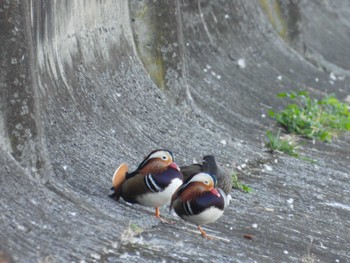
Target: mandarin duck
[(198, 201), (209, 164), (152, 184)]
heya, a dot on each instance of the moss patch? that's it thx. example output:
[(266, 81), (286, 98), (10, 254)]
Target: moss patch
[(273, 11)]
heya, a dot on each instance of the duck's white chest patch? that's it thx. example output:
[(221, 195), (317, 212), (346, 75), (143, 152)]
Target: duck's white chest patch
[(208, 216), (157, 199)]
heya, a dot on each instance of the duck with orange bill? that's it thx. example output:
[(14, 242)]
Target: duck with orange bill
[(198, 201), (152, 184)]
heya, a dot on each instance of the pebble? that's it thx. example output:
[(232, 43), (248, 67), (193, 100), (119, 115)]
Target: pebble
[(241, 63)]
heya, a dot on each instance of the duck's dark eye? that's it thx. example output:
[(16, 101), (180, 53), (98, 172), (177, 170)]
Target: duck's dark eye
[(206, 182), (164, 157)]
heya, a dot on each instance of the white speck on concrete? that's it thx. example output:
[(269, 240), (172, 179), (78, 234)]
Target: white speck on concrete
[(267, 167), (24, 110), (114, 245), (332, 76), (22, 228), (64, 167), (227, 16), (19, 126), (285, 252), (317, 80), (95, 256), (323, 246), (223, 142), (290, 201), (279, 77), (241, 63), (218, 76), (254, 225), (263, 115)]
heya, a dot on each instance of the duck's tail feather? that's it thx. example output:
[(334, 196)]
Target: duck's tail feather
[(118, 179)]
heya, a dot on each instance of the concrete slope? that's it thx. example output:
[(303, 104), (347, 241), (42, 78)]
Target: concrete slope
[(86, 85)]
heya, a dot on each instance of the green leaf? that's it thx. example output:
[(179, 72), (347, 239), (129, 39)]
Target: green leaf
[(271, 113), (303, 93), (347, 126), (282, 95), (247, 189)]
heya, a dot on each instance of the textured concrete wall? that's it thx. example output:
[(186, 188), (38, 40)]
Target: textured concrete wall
[(86, 85)]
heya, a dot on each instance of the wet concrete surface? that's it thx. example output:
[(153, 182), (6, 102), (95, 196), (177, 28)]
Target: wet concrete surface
[(86, 85)]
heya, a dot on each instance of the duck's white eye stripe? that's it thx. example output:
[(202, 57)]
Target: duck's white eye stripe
[(161, 154), (202, 177)]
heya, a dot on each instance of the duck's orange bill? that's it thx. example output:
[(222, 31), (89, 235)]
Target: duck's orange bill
[(215, 192)]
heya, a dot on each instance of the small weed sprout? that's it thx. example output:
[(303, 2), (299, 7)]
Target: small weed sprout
[(275, 143), (129, 233), (238, 185)]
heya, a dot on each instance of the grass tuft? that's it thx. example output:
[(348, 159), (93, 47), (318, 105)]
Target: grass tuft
[(238, 185), (314, 119), (275, 143)]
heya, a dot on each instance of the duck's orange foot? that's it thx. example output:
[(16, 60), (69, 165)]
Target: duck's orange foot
[(163, 220), (204, 234)]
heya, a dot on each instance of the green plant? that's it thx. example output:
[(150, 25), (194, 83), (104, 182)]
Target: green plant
[(312, 118), (238, 185), (130, 232), (287, 146), (275, 143), (135, 228)]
